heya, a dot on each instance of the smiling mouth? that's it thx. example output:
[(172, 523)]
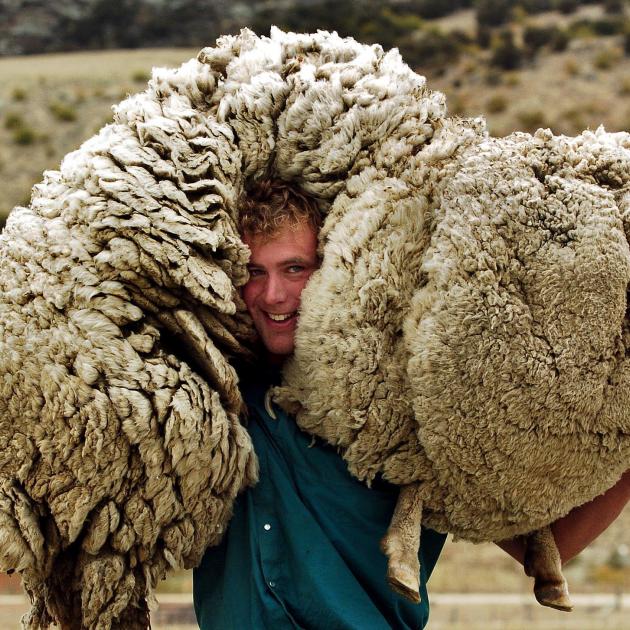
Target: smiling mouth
[(281, 317)]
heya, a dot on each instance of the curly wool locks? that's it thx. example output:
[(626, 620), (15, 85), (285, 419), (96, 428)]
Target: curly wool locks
[(486, 291), (121, 448)]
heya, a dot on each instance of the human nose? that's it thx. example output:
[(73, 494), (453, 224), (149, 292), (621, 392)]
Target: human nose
[(275, 289)]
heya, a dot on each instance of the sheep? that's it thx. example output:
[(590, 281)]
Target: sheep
[(121, 321)]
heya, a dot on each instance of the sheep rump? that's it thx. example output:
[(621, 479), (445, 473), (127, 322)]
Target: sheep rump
[(120, 316)]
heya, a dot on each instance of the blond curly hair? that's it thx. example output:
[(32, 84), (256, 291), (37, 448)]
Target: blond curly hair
[(271, 204)]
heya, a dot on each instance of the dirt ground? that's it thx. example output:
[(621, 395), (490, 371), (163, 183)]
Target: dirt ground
[(448, 612)]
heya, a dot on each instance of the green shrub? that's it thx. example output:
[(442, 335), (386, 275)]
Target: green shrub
[(484, 36), (581, 29), (13, 121), (613, 7), (519, 15), (536, 6), (505, 53), (140, 76), (430, 9), (605, 59), (402, 23), (19, 94), (608, 26), (24, 135), (493, 12), (560, 40), (536, 37), (63, 111), (493, 77), (462, 38), (496, 104), (566, 6), (603, 27), (431, 48)]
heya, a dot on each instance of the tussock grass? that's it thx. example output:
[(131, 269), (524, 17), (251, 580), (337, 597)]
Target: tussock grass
[(607, 58), (63, 111), (24, 135), (13, 121), (140, 76), (497, 103), (19, 94)]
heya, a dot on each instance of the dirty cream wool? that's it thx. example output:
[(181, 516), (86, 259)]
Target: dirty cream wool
[(466, 331)]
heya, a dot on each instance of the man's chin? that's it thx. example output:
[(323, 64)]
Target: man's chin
[(280, 349)]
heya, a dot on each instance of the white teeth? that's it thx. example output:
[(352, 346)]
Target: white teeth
[(280, 317)]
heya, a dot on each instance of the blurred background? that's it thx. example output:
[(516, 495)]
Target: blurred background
[(562, 64)]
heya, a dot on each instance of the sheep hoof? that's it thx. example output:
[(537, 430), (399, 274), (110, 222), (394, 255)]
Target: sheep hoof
[(404, 581), (554, 595)]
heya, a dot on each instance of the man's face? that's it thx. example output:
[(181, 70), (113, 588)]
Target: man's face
[(279, 268)]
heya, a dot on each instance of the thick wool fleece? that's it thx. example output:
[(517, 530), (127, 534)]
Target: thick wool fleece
[(121, 449), (467, 328)]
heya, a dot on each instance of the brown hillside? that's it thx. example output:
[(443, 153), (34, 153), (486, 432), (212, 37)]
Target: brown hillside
[(49, 104)]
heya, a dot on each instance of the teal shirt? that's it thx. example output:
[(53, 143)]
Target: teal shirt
[(302, 548)]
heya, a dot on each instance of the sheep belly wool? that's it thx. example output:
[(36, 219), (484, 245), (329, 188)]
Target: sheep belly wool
[(465, 336)]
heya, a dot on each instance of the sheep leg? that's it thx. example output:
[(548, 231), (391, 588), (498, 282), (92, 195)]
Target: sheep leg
[(402, 542), (542, 562)]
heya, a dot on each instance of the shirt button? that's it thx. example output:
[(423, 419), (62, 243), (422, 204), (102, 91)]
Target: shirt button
[(267, 526), (272, 584)]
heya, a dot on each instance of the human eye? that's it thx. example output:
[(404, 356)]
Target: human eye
[(295, 268), (255, 272)]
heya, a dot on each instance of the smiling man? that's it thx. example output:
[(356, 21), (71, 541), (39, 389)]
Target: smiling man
[(302, 548)]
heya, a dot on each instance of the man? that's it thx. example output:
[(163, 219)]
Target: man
[(302, 549)]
